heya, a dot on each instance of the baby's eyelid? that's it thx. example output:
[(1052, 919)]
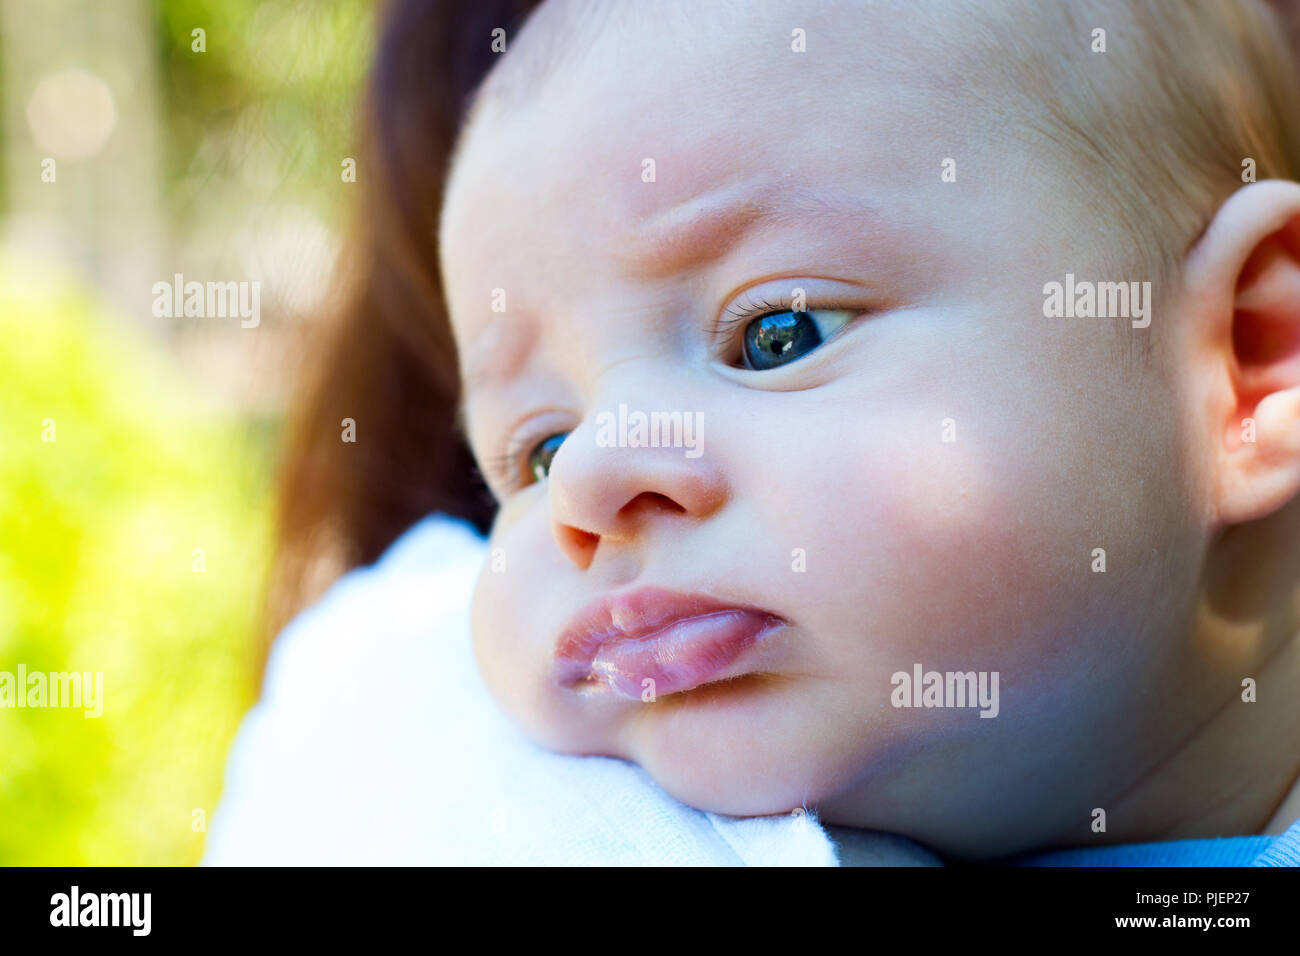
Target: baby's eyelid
[(750, 305), (524, 431), (729, 332), (744, 309), (501, 469), (511, 469)]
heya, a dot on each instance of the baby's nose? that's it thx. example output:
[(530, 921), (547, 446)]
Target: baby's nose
[(621, 472)]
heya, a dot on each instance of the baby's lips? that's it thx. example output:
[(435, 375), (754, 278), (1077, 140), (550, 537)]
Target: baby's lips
[(682, 656), (656, 639)]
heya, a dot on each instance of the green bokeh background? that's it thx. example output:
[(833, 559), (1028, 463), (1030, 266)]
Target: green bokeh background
[(136, 542), (98, 535)]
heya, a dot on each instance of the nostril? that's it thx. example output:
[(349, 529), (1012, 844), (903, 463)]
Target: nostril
[(578, 540), (577, 545), (648, 499)]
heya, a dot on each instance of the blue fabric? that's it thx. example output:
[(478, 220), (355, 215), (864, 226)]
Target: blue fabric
[(1281, 850)]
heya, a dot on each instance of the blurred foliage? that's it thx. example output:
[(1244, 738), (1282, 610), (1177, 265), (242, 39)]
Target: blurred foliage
[(97, 573), (269, 109), (98, 528)]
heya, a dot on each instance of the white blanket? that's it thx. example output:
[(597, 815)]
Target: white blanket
[(375, 742)]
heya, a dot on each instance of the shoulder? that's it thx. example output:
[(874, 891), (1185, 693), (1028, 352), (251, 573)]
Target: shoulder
[(356, 689)]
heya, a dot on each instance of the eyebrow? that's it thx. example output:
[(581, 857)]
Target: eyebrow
[(690, 234), (705, 228)]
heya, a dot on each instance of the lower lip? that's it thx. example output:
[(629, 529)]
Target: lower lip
[(684, 655)]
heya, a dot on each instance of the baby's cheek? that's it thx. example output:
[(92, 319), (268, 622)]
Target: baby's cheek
[(506, 588), (491, 624), (516, 612), (957, 545)]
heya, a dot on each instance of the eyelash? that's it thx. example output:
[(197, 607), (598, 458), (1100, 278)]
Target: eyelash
[(746, 309), (724, 329), (506, 468)]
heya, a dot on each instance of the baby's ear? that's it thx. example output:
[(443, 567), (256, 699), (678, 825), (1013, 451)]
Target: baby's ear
[(1244, 283)]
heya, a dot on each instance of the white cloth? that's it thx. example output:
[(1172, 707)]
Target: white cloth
[(375, 742)]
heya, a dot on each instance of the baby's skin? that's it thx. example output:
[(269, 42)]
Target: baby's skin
[(835, 263)]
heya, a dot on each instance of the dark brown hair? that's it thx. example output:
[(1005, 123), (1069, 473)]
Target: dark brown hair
[(386, 358)]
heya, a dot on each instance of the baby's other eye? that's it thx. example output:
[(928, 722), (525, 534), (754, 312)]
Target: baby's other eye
[(539, 459), (778, 338)]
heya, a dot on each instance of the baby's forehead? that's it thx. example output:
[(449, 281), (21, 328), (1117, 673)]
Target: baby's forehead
[(796, 54), (679, 81), (775, 86), (721, 39)]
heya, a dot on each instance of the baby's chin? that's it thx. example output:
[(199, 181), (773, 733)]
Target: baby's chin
[(758, 783), (748, 747), (728, 748)]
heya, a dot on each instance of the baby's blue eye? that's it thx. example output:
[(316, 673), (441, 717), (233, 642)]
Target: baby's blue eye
[(539, 459), (779, 338)]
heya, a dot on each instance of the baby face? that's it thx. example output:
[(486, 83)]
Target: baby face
[(888, 456)]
